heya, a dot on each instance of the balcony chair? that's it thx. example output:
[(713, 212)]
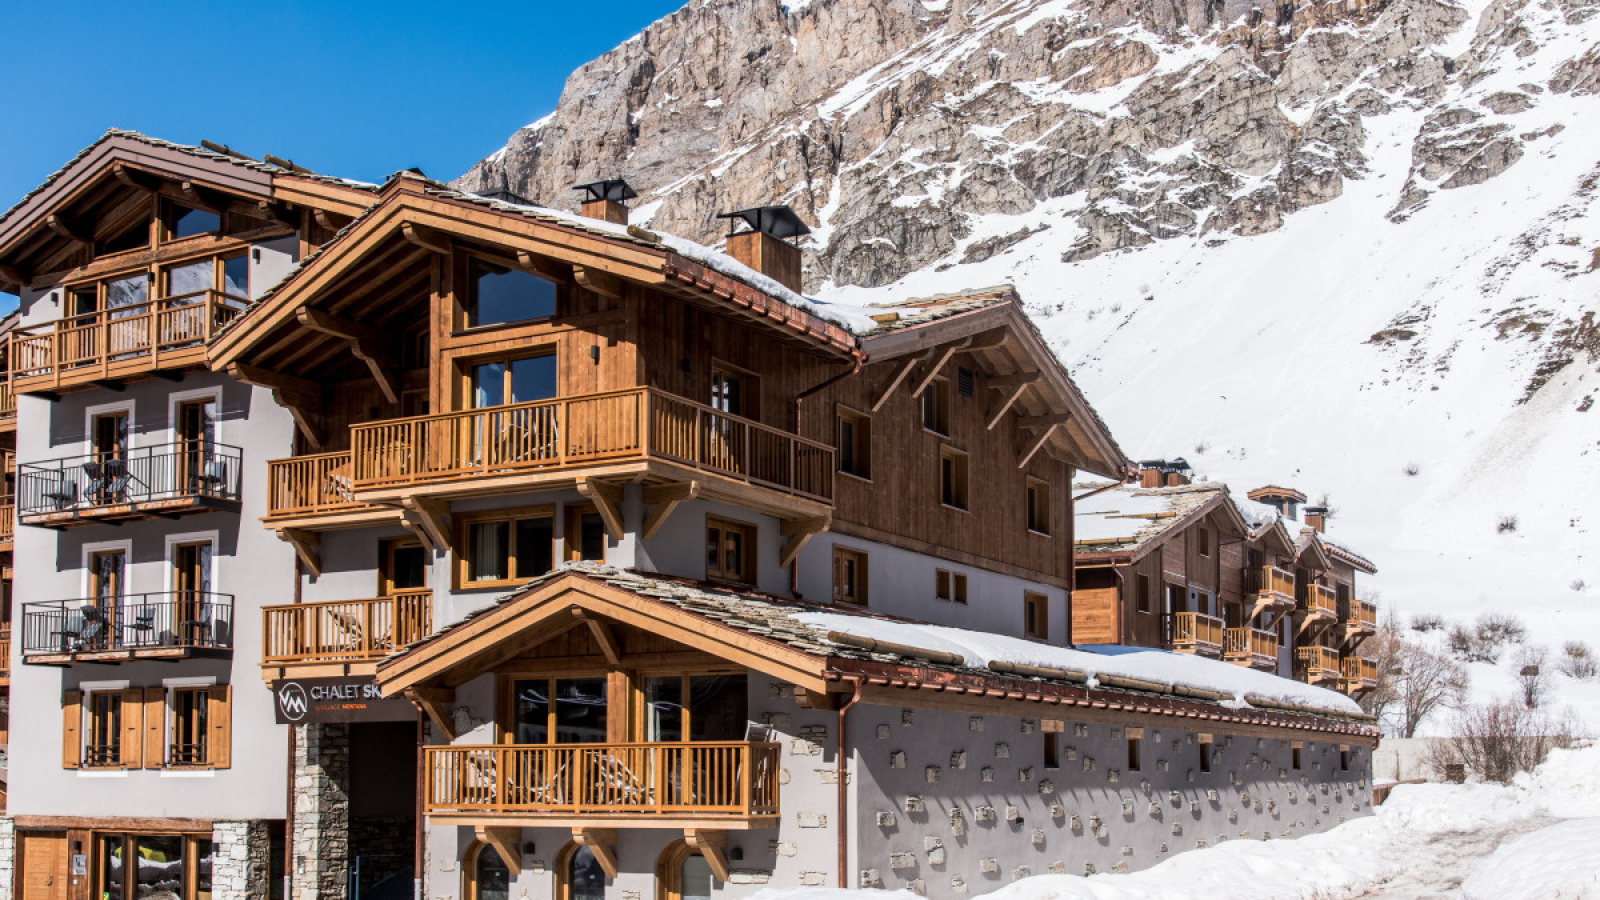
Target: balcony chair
[(199, 629), (338, 484), (94, 628), (143, 627), (213, 477), (63, 492)]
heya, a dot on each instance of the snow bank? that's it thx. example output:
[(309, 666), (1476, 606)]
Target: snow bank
[(1555, 863), (1167, 669)]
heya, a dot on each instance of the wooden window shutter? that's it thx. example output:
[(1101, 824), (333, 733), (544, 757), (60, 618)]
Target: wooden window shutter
[(155, 723), (219, 720), (71, 727), (132, 727)]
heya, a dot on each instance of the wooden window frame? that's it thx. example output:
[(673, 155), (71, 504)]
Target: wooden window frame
[(636, 681), (173, 726), (1143, 598), (166, 206), (935, 398), (621, 699), (462, 263), (191, 860), (748, 565), (1036, 615), (959, 496), (861, 423), (841, 557), (572, 514), (386, 549), (1039, 503), (115, 703), (465, 363), (463, 523), (1202, 539)]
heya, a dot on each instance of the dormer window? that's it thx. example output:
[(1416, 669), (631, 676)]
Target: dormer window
[(497, 295), (184, 222)]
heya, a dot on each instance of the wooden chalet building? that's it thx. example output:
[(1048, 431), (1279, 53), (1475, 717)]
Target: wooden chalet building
[(459, 547)]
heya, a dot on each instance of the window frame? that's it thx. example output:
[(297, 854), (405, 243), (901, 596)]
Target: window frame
[(861, 450), (171, 715), (130, 839), (1203, 542), (466, 365), (1135, 738), (958, 497), (842, 557), (748, 565), (461, 561), (935, 399), (115, 702), (1039, 503), (466, 295), (572, 515), (1036, 615), (1143, 597)]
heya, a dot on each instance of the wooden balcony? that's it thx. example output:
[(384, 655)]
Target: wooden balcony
[(632, 434), (165, 626), (5, 654), (8, 404), (144, 482), (317, 492), (1253, 647), (1320, 602), (1316, 665), (341, 637), (727, 784), (8, 522), (77, 352), (1357, 675), (1269, 589), (1196, 633)]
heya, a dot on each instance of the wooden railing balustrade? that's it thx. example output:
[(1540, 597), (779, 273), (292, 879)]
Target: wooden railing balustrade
[(8, 398), (93, 343), (1268, 579), (1356, 668), (1368, 615), (709, 778), (1196, 632), (1317, 663), (5, 650), (1321, 599), (574, 432), (8, 517), (308, 485), (1251, 643), (345, 630)]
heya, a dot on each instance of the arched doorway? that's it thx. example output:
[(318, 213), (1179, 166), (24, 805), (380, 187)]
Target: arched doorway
[(579, 875), (682, 874), (484, 875)]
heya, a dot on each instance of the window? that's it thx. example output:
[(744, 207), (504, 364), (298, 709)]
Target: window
[(855, 443), (134, 237), (187, 727), (506, 381), (505, 547), (730, 391), (1344, 759), (1203, 539), (579, 875), (1135, 739), (558, 711), (585, 533), (951, 586), (953, 478), (1036, 615), (403, 564), (1052, 750), (174, 866), (730, 551), (183, 222), (103, 734), (849, 576), (497, 295), (936, 406), (1205, 752), (1141, 593), (487, 875), (696, 707), (1039, 506), (1294, 752)]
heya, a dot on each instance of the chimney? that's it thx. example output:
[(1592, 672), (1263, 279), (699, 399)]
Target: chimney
[(1178, 472), (1150, 473), (1317, 518), (603, 200), (768, 246)]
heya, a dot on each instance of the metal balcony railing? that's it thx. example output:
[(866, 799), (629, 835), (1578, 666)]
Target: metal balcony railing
[(184, 469), (172, 620)]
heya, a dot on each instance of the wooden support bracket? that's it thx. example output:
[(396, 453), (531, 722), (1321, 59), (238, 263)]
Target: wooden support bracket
[(942, 356), (425, 519), (711, 842), (603, 635), (305, 544), (602, 842), (1012, 386), (300, 396), (136, 179), (330, 220), (426, 238), (282, 213), (69, 229), (504, 838), (895, 380), (432, 701), (369, 345), (799, 532), (988, 340), (607, 500), (820, 700), (601, 283), (12, 275), (663, 499), (202, 198), (1045, 431)]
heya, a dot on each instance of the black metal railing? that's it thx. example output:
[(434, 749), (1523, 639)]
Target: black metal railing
[(186, 754), (139, 475), (102, 755), (173, 619)]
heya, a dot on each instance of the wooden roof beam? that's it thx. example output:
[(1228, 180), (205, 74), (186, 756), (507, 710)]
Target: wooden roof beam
[(137, 179), (331, 220), (203, 198), (426, 238), (599, 282), (1013, 386), (988, 340), (944, 354), (425, 519), (432, 701), (895, 380), (69, 229), (282, 213), (799, 532), (14, 275), (369, 345), (1045, 433), (300, 396), (603, 635)]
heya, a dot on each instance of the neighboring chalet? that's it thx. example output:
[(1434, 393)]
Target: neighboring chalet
[(393, 533), (1186, 566)]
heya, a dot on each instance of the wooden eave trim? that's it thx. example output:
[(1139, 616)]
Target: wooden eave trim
[(1350, 559), (425, 661), (794, 320), (933, 333), (1101, 560), (1320, 553), (346, 200), (111, 823), (176, 165), (899, 685)]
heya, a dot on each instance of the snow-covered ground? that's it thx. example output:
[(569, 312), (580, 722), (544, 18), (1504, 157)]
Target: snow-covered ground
[(1537, 839)]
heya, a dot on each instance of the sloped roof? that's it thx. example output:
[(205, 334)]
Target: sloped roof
[(1129, 519)]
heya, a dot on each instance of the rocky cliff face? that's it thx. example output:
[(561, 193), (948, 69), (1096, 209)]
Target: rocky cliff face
[(895, 125)]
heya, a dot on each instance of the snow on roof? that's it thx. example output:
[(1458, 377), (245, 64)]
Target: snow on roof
[(1260, 515), (1128, 517)]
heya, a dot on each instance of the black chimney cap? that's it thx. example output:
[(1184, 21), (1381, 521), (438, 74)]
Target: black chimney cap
[(778, 221), (608, 189)]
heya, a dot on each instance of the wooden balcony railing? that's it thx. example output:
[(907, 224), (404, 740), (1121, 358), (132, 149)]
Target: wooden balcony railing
[(345, 630), (132, 625), (1252, 645), (1321, 600), (1194, 632), (8, 398), (120, 340), (573, 432), (1269, 579), (8, 518), (732, 778), (5, 650), (1316, 663), (310, 485), (1367, 615), (1358, 669)]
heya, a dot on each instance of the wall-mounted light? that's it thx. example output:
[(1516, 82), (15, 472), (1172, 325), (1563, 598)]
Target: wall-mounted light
[(255, 254), (594, 353)]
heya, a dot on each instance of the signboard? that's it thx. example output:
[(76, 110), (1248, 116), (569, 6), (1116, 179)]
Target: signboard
[(298, 701)]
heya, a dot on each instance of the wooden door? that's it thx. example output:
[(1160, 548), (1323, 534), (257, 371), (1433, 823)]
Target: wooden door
[(191, 584), (45, 865), (197, 433), (100, 618)]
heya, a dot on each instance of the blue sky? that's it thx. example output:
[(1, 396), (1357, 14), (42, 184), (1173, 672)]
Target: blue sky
[(354, 89)]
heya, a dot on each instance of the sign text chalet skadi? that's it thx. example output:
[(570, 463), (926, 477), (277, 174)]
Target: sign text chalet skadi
[(297, 701)]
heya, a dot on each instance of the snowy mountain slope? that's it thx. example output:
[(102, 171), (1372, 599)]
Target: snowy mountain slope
[(1331, 246)]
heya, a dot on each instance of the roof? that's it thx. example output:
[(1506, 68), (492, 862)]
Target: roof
[(842, 640), (1130, 519), (1303, 537), (902, 314)]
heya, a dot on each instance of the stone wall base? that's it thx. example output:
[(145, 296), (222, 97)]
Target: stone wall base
[(241, 860)]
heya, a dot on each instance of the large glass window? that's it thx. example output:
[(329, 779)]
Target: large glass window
[(236, 277), (153, 867), (187, 280), (571, 709), (159, 873), (695, 708), (497, 295), (506, 547), (525, 380), (183, 222), (585, 878)]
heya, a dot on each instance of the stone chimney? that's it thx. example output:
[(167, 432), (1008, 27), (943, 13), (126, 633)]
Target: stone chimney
[(603, 200), (768, 245), (1317, 518)]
